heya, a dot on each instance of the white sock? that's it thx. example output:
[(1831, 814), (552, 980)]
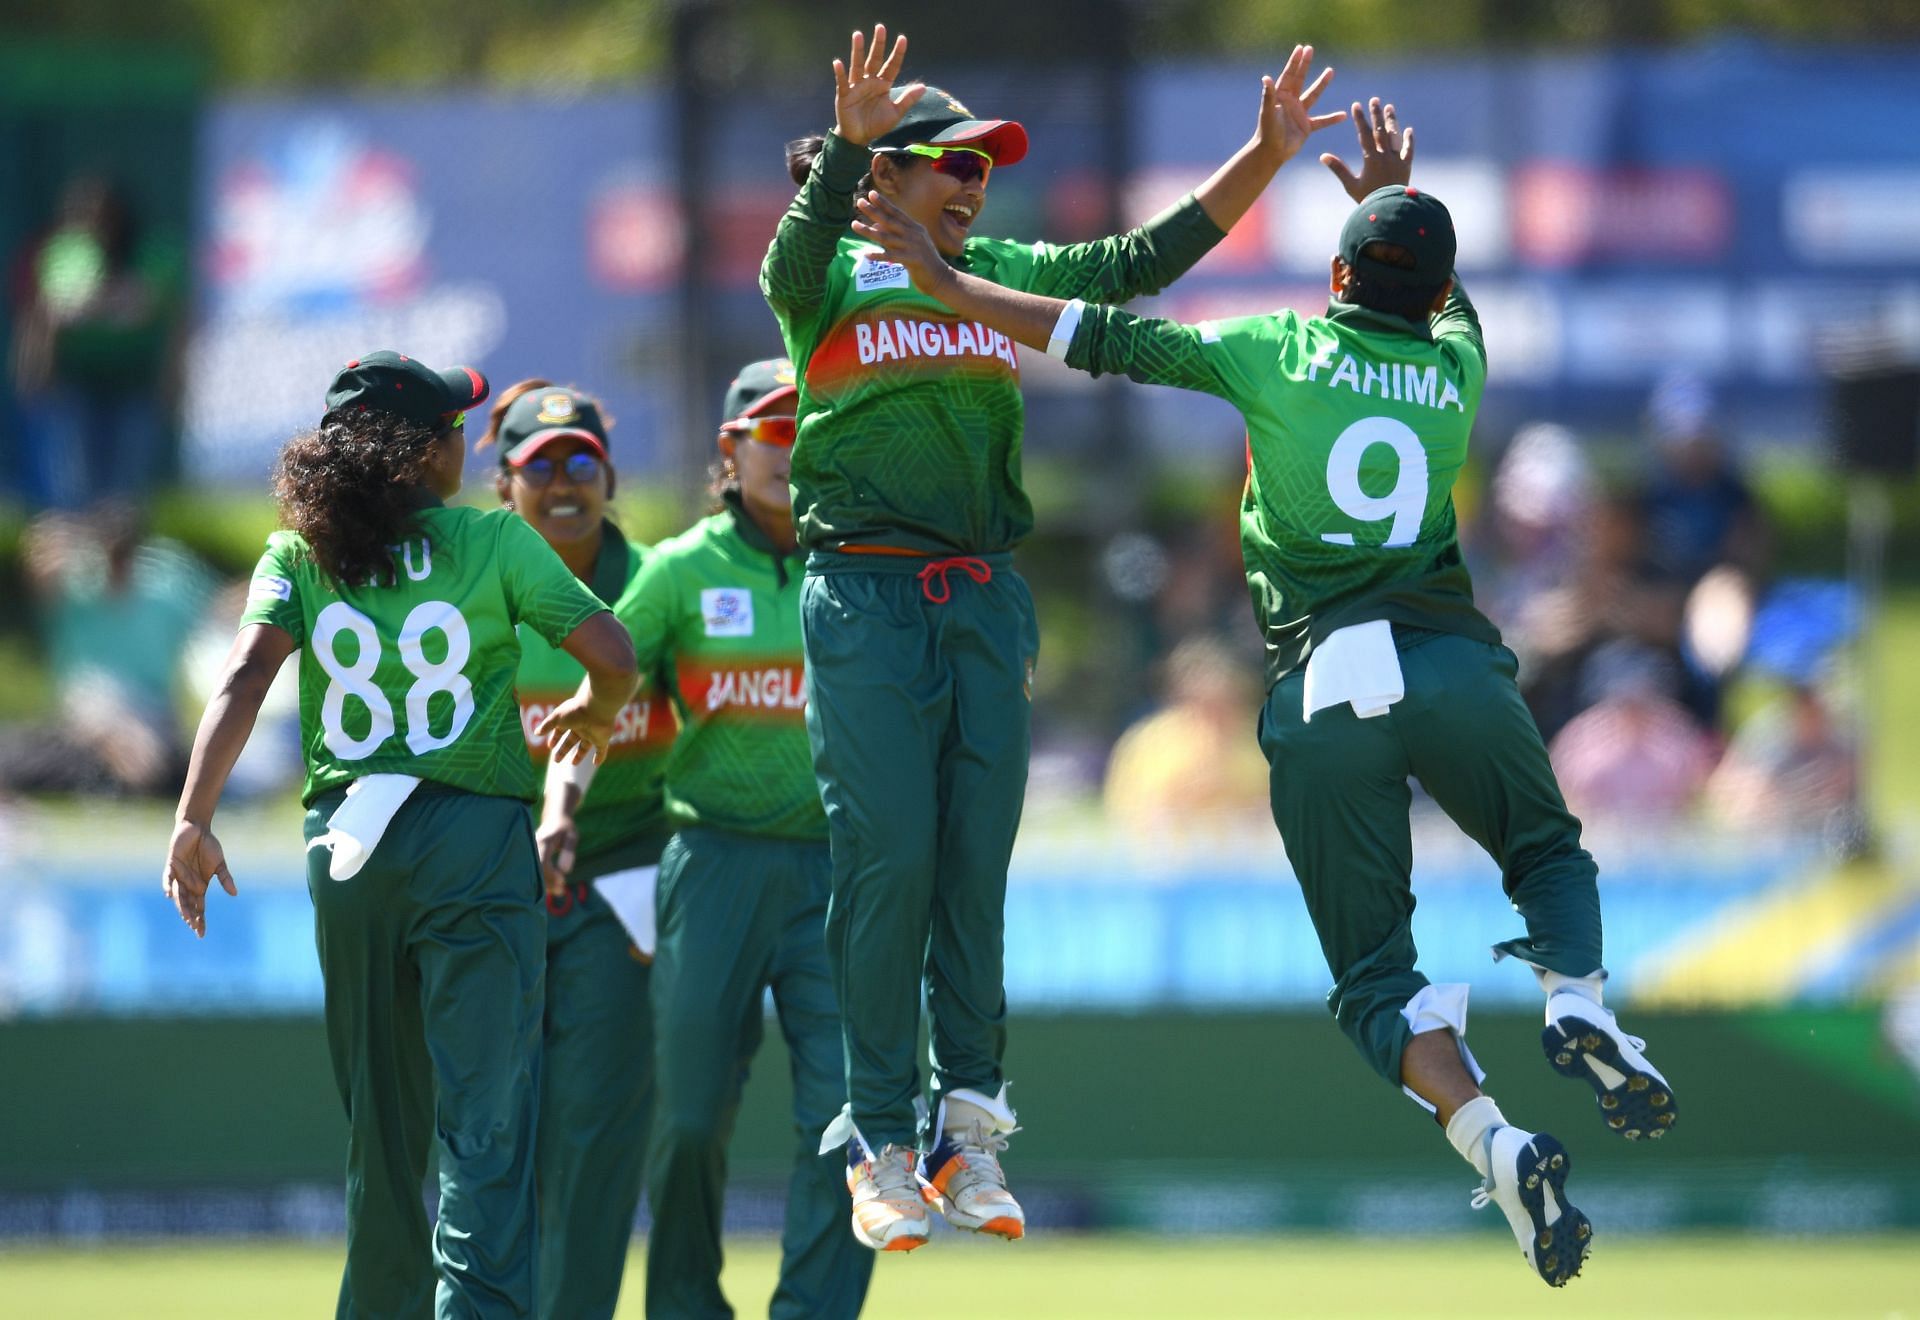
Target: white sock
[(1587, 987), (1468, 1129)]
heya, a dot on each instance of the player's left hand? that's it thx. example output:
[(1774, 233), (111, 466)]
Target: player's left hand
[(903, 239), (1386, 151), (573, 731), (195, 860), (1286, 107)]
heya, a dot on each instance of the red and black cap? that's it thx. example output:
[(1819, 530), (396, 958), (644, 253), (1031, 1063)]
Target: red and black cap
[(760, 387), (1410, 219), (550, 413), (389, 382), (937, 119)]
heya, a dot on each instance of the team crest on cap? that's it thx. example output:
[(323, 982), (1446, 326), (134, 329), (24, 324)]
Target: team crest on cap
[(557, 408), (955, 106), (784, 373)]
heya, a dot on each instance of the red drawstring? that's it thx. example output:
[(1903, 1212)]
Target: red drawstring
[(936, 571), (568, 899)]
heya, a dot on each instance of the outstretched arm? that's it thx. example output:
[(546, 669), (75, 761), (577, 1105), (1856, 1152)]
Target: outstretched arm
[(1151, 256), (793, 276), (1099, 340), (194, 856)]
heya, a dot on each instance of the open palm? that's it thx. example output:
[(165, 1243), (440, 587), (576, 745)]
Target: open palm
[(1286, 106), (864, 106)]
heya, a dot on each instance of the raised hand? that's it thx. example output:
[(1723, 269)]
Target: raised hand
[(1286, 107), (903, 239), (864, 104), (1386, 151), (194, 860)]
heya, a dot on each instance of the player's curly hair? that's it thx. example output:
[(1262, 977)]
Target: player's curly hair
[(351, 488)]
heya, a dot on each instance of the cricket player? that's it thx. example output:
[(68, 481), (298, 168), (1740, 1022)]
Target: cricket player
[(426, 889), (1379, 666), (742, 900), (596, 1087), (920, 638)]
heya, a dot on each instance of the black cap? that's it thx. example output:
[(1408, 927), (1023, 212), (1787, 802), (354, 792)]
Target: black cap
[(938, 119), (389, 382), (1409, 218), (552, 412), (758, 387)]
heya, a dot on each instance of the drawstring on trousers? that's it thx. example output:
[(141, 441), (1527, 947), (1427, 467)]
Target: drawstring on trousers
[(935, 574)]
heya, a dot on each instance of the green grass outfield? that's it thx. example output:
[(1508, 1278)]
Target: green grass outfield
[(1470, 1276)]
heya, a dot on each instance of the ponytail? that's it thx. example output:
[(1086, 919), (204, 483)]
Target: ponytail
[(801, 153)]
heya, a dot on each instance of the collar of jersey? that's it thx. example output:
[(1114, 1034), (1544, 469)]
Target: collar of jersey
[(610, 567), (1379, 323)]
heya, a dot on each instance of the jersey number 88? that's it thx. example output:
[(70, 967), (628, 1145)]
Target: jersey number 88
[(356, 680)]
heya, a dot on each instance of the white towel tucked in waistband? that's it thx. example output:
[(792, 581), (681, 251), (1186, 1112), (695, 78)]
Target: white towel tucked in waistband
[(630, 895), (361, 821), (1358, 665)]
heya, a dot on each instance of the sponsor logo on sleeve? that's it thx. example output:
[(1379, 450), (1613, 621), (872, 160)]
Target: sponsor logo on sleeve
[(871, 274), (270, 588), (728, 611)]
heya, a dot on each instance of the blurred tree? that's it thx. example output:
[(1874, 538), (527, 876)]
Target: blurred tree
[(601, 43)]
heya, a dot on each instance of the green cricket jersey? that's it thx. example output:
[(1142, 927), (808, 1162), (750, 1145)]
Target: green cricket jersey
[(910, 417), (622, 819), (716, 609), (1357, 424), (417, 678)]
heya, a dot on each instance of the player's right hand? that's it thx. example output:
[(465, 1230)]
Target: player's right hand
[(1386, 151), (902, 239), (864, 106), (557, 838), (574, 730), (194, 860)]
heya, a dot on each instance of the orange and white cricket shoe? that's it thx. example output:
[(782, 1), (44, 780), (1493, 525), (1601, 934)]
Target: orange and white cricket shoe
[(965, 1180), (888, 1212)]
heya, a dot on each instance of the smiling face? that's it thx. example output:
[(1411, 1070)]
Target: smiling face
[(564, 510), (944, 206)]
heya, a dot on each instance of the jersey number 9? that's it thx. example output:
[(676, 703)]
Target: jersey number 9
[(1406, 503), (356, 680)]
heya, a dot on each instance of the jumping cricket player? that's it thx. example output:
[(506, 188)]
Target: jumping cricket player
[(920, 638)]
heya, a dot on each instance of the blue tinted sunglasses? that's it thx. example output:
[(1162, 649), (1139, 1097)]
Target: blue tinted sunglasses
[(583, 469)]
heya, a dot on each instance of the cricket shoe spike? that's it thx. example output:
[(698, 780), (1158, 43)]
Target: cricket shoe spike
[(966, 1183), (1527, 1179), (1582, 1041)]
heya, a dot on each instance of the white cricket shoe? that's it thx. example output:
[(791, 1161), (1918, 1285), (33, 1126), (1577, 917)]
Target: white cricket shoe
[(1582, 1041), (888, 1213), (967, 1184), (1528, 1181)]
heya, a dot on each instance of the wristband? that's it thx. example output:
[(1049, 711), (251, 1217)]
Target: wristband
[(1063, 329)]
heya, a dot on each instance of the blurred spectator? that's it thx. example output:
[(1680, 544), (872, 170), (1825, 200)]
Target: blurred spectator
[(271, 760), (98, 315), (1699, 510), (1610, 591), (1543, 491), (1196, 759), (115, 611), (1791, 766), (1634, 752)]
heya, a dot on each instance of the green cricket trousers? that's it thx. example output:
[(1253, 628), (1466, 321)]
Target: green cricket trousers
[(739, 915), (596, 1102), (1340, 797), (434, 961), (918, 707)]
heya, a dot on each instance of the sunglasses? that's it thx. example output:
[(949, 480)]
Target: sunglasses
[(964, 164), (583, 469), (767, 430)]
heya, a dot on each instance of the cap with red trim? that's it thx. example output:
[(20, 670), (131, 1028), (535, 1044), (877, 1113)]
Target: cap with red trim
[(938, 119), (550, 413), (390, 382), (759, 388), (1408, 218)]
